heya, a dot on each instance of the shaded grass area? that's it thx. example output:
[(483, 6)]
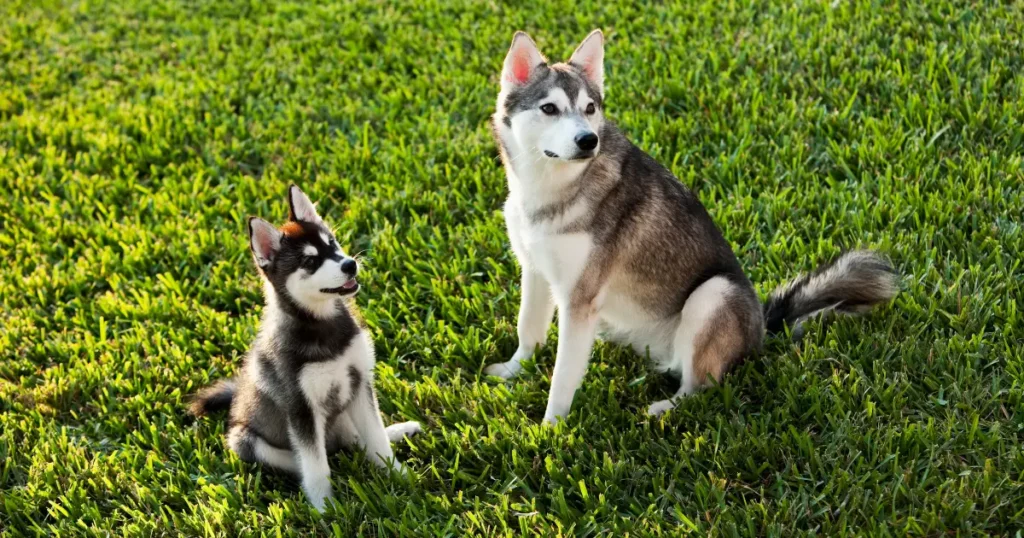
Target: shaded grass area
[(136, 136)]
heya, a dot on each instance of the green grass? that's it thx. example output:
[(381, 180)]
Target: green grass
[(135, 137)]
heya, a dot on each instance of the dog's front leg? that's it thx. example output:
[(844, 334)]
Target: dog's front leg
[(306, 430), (535, 310), (577, 328)]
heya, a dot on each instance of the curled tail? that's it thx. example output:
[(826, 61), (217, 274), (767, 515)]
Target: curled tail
[(213, 398), (853, 283)]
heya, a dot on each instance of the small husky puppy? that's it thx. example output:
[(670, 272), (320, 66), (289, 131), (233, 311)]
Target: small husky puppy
[(306, 388), (617, 243)]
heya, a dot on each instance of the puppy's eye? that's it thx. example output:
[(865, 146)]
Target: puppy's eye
[(591, 109), (309, 263), (549, 109)]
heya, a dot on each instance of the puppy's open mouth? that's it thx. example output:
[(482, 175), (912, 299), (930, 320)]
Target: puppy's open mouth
[(349, 287)]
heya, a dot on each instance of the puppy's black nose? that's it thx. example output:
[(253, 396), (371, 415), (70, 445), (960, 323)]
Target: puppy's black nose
[(586, 141), (349, 267)]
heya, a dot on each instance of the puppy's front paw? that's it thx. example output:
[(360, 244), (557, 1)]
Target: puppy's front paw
[(319, 493), (401, 430), (504, 370), (399, 469), (659, 408)]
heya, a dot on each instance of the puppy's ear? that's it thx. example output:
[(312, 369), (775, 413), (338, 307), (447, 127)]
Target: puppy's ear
[(264, 240), (522, 60), (589, 57), (300, 207)]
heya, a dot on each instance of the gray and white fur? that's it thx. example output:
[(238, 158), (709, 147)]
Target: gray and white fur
[(618, 244), (306, 389)]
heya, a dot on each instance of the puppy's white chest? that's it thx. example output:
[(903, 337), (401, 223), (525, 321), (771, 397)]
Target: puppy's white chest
[(336, 378), (323, 380)]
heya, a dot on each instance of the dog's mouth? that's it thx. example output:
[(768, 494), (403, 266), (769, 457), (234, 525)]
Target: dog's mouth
[(348, 288), (580, 156)]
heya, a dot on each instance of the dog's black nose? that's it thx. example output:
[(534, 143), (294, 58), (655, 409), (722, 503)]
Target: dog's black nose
[(586, 141), (349, 267)]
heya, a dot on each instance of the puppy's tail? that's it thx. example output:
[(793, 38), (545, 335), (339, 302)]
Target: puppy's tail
[(214, 398), (853, 283)]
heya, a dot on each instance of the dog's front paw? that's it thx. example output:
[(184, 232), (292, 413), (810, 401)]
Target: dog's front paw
[(319, 493), (399, 469), (320, 505), (659, 408), (504, 370), (557, 410), (401, 430), (554, 417)]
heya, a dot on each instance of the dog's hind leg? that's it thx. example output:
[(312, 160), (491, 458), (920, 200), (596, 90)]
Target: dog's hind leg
[(342, 433), (345, 433), (709, 338), (400, 430), (252, 447)]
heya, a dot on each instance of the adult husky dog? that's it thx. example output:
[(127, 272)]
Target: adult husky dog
[(617, 242), (306, 388)]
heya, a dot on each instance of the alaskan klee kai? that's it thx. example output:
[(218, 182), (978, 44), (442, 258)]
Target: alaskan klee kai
[(306, 388), (618, 244)]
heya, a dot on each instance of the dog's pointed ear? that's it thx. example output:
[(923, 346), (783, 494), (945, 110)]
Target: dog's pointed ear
[(300, 207), (264, 240), (589, 57), (522, 59)]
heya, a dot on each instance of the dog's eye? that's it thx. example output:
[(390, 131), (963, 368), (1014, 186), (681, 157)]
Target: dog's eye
[(591, 109), (309, 263), (549, 109)]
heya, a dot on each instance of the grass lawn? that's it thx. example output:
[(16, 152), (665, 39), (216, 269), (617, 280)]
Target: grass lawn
[(136, 136)]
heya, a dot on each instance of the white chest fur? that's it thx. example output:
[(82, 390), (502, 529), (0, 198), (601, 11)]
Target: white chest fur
[(561, 258), (322, 380), (541, 246), (319, 380)]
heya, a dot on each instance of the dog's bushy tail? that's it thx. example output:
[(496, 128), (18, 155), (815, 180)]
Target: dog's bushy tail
[(853, 283), (214, 398)]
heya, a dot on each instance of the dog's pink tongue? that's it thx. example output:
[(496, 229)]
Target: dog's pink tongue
[(349, 285)]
